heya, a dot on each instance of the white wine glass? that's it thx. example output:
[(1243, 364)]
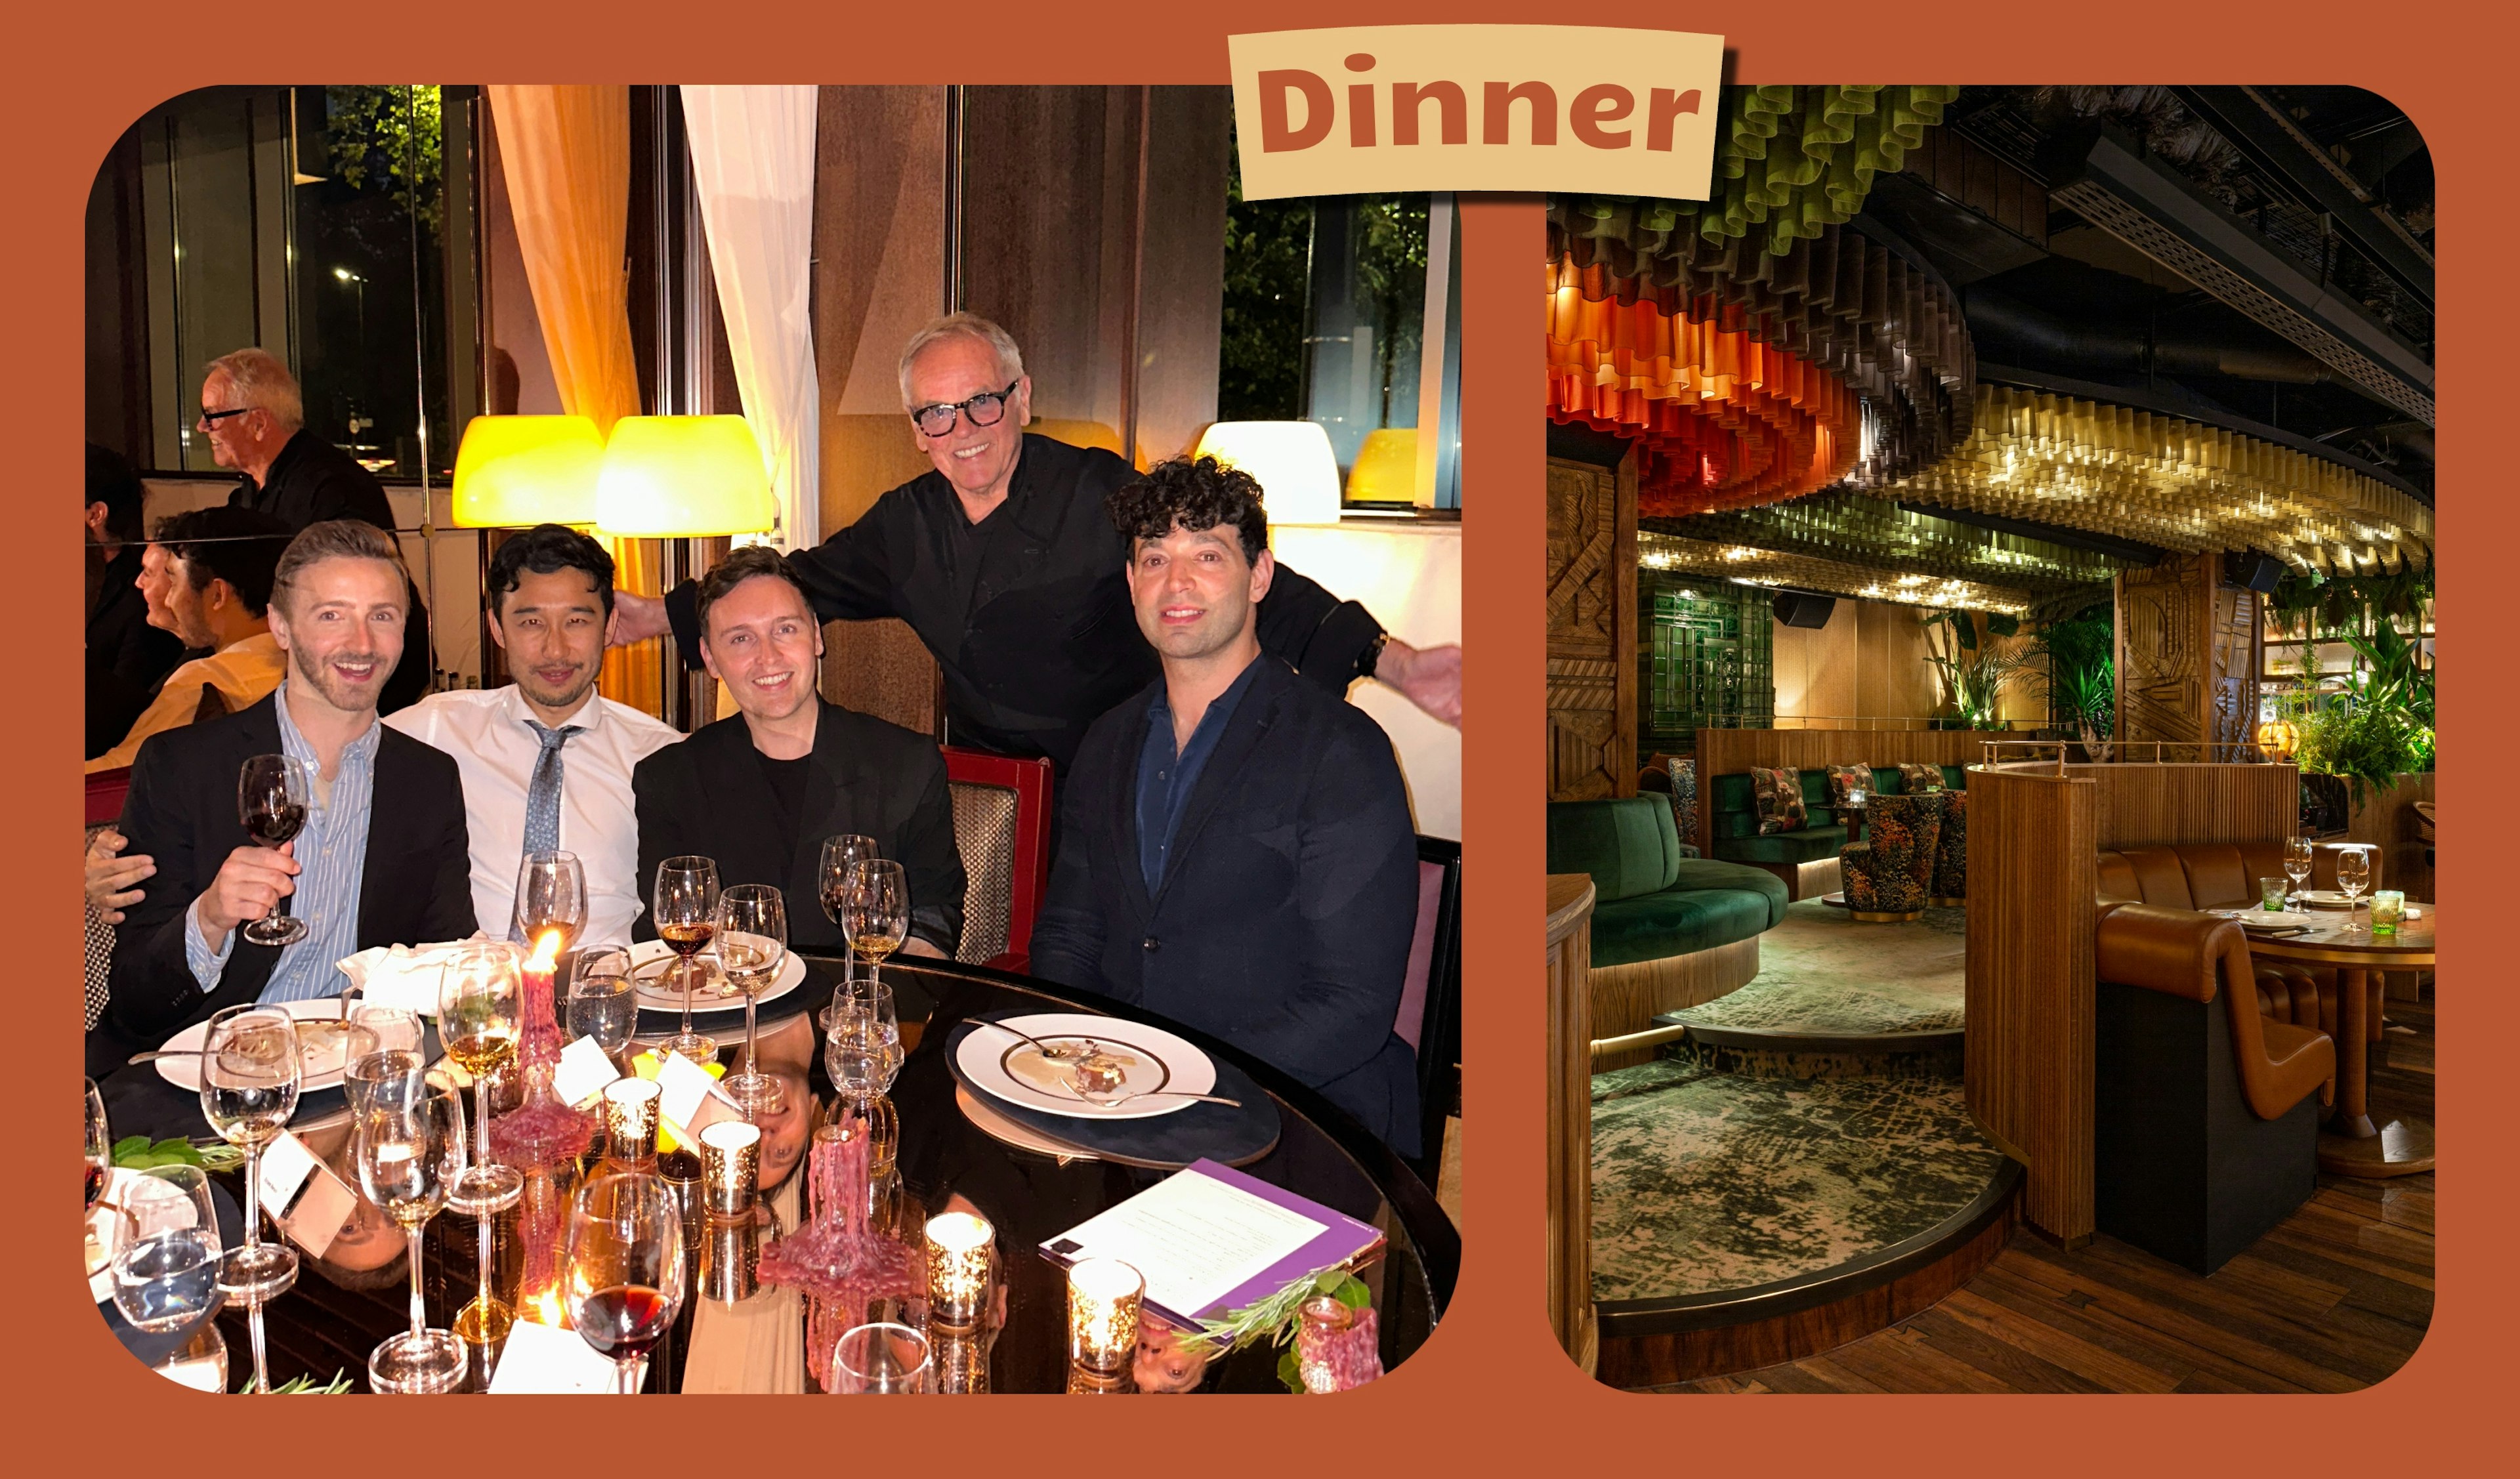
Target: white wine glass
[(752, 945), (625, 1271), (684, 908), (875, 912), (480, 1003), (407, 1142), (2296, 866), (863, 1052), (2352, 875), (840, 853), (249, 1080), (603, 1003), (550, 894)]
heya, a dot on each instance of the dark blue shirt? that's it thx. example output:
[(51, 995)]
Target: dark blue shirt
[(1165, 780)]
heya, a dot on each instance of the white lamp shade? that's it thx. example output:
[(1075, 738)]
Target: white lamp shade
[(514, 471), (1298, 473), (682, 477)]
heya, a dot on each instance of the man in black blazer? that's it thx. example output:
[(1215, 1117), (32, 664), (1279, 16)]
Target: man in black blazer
[(1240, 854), (758, 793), (382, 859)]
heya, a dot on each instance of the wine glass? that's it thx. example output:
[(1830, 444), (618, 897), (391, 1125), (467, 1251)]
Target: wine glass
[(99, 1146), (881, 1359), (874, 911), (625, 1266), (272, 799), (685, 909), (601, 1002), (480, 1000), (249, 1077), (752, 945), (863, 1052), (2296, 865), (550, 894), (167, 1265), (408, 1141), (840, 853), (2352, 875)]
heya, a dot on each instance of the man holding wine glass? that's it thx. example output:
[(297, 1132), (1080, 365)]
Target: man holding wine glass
[(350, 874)]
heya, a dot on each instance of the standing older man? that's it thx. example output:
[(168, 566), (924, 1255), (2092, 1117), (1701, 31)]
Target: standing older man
[(1003, 562), (364, 869), (256, 420)]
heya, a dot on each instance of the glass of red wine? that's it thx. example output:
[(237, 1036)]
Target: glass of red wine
[(272, 797), (625, 1277), (685, 911), (99, 1145)]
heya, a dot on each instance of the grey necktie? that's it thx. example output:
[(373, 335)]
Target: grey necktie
[(542, 796)]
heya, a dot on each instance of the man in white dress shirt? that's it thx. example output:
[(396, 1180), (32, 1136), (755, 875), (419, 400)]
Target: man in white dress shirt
[(547, 759)]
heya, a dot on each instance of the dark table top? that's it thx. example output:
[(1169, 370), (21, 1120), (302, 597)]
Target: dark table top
[(328, 1324)]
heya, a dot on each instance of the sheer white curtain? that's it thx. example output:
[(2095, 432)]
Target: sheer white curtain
[(752, 152)]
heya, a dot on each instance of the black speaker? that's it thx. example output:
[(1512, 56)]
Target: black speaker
[(2258, 572), (1798, 608)]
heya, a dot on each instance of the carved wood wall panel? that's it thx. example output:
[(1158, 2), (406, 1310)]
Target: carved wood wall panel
[(1592, 582), (2188, 651)]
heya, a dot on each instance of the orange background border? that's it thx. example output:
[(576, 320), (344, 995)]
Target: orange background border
[(1490, 1389)]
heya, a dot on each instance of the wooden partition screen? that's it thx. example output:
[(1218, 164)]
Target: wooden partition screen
[(2165, 805), (1592, 574), (1731, 751), (2034, 872), (1570, 1115)]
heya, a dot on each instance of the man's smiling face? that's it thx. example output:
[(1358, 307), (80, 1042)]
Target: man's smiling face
[(978, 460), (763, 641)]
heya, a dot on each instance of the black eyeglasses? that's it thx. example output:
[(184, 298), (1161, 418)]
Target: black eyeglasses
[(213, 418), (985, 409)]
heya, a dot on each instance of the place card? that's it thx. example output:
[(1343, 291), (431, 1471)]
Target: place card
[(540, 1361), (310, 1203), (585, 1071), (688, 1100)]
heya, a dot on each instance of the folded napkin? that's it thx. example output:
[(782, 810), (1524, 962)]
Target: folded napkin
[(400, 975)]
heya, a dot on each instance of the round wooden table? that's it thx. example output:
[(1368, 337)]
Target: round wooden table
[(2351, 1145)]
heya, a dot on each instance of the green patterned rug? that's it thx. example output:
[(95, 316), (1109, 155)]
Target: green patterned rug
[(1704, 1182), (1823, 972)]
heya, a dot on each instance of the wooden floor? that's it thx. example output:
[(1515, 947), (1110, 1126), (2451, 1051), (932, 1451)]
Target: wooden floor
[(2334, 1299)]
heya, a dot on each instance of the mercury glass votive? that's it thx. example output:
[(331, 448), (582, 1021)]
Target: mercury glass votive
[(731, 1261), (731, 1167), (2388, 911), (962, 1362), (959, 1246), (1324, 1317), (1102, 1299), (630, 1115)]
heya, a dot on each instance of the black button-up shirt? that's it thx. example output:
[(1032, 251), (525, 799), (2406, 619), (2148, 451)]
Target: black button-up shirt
[(312, 481), (1166, 779), (1028, 612)]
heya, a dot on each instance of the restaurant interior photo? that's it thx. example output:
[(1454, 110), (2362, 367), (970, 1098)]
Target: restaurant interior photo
[(1991, 748), (931, 394)]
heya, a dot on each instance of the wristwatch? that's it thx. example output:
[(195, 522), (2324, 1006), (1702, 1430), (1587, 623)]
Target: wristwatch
[(1372, 656)]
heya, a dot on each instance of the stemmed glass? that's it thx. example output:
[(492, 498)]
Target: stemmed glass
[(841, 853), (685, 909), (862, 1054), (99, 1146), (2296, 865), (881, 1359), (2352, 875), (625, 1266), (600, 1004), (479, 1004), (751, 944), (272, 801), (874, 911), (550, 894), (408, 1141), (249, 1077)]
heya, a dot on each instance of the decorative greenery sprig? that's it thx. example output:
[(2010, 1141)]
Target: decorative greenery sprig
[(1276, 1319), (305, 1386), (137, 1152)]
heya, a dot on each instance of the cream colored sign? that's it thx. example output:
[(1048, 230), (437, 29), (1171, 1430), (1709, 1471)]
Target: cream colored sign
[(1577, 108)]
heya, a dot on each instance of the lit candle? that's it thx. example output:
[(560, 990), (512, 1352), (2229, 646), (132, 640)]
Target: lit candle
[(1103, 1298), (731, 1167), (959, 1245), (630, 1114)]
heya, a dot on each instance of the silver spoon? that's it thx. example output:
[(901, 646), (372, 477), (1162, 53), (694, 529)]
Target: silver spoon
[(1058, 1053), (1109, 1100)]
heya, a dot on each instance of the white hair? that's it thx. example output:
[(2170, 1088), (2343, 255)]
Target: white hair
[(260, 379), (962, 325)]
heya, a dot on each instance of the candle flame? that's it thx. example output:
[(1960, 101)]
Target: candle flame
[(543, 1308), (546, 957)]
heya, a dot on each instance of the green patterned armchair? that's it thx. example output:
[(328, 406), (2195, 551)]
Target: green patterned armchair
[(1891, 874)]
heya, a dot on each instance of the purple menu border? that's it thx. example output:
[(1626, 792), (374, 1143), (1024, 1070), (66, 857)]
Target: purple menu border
[(1340, 1240)]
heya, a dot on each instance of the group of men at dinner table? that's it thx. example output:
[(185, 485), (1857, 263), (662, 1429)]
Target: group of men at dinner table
[(1233, 841)]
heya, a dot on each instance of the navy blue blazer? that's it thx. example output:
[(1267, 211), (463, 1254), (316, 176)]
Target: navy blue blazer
[(1283, 919)]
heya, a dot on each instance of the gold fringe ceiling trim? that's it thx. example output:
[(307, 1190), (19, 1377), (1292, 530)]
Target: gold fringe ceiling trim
[(1745, 565)]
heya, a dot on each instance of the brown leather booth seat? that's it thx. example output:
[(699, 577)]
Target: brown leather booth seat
[(2225, 875), (2194, 956)]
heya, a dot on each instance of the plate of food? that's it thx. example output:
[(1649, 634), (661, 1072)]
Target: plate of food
[(323, 1047), (1146, 1070), (652, 965)]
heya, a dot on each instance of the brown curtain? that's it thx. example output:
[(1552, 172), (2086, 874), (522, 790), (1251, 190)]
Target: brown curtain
[(567, 154)]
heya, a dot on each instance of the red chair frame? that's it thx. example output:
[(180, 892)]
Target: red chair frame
[(1029, 780), (105, 792)]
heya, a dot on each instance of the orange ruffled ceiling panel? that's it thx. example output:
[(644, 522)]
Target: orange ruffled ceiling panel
[(1722, 421)]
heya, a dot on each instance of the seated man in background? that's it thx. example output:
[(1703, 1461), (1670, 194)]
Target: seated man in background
[(546, 759), (217, 589), (358, 873), (759, 791), (127, 653), (1240, 855)]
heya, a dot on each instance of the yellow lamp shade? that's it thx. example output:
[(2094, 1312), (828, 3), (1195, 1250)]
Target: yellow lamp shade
[(2279, 738), (682, 477), (1298, 474), (1386, 466), (514, 472)]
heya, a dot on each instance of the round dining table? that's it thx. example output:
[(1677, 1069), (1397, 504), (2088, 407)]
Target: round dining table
[(737, 1333), (2351, 1144)]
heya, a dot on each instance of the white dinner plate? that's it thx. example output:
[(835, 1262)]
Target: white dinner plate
[(1007, 1067), (2324, 898), (320, 1053), (712, 994)]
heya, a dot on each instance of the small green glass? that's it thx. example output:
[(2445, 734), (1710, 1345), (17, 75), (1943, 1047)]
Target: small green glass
[(2388, 909), (2271, 893)]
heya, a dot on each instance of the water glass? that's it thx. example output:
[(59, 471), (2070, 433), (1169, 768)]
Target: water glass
[(167, 1265), (2271, 893), (2388, 911), (602, 1002), (881, 1359)]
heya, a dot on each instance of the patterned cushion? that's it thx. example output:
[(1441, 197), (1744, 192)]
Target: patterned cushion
[(1843, 779), (1919, 778), (1951, 859), (1684, 801), (1892, 870), (1781, 800)]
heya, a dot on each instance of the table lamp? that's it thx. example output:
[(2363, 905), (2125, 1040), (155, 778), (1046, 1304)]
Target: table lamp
[(1297, 470), (514, 471), (684, 479)]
